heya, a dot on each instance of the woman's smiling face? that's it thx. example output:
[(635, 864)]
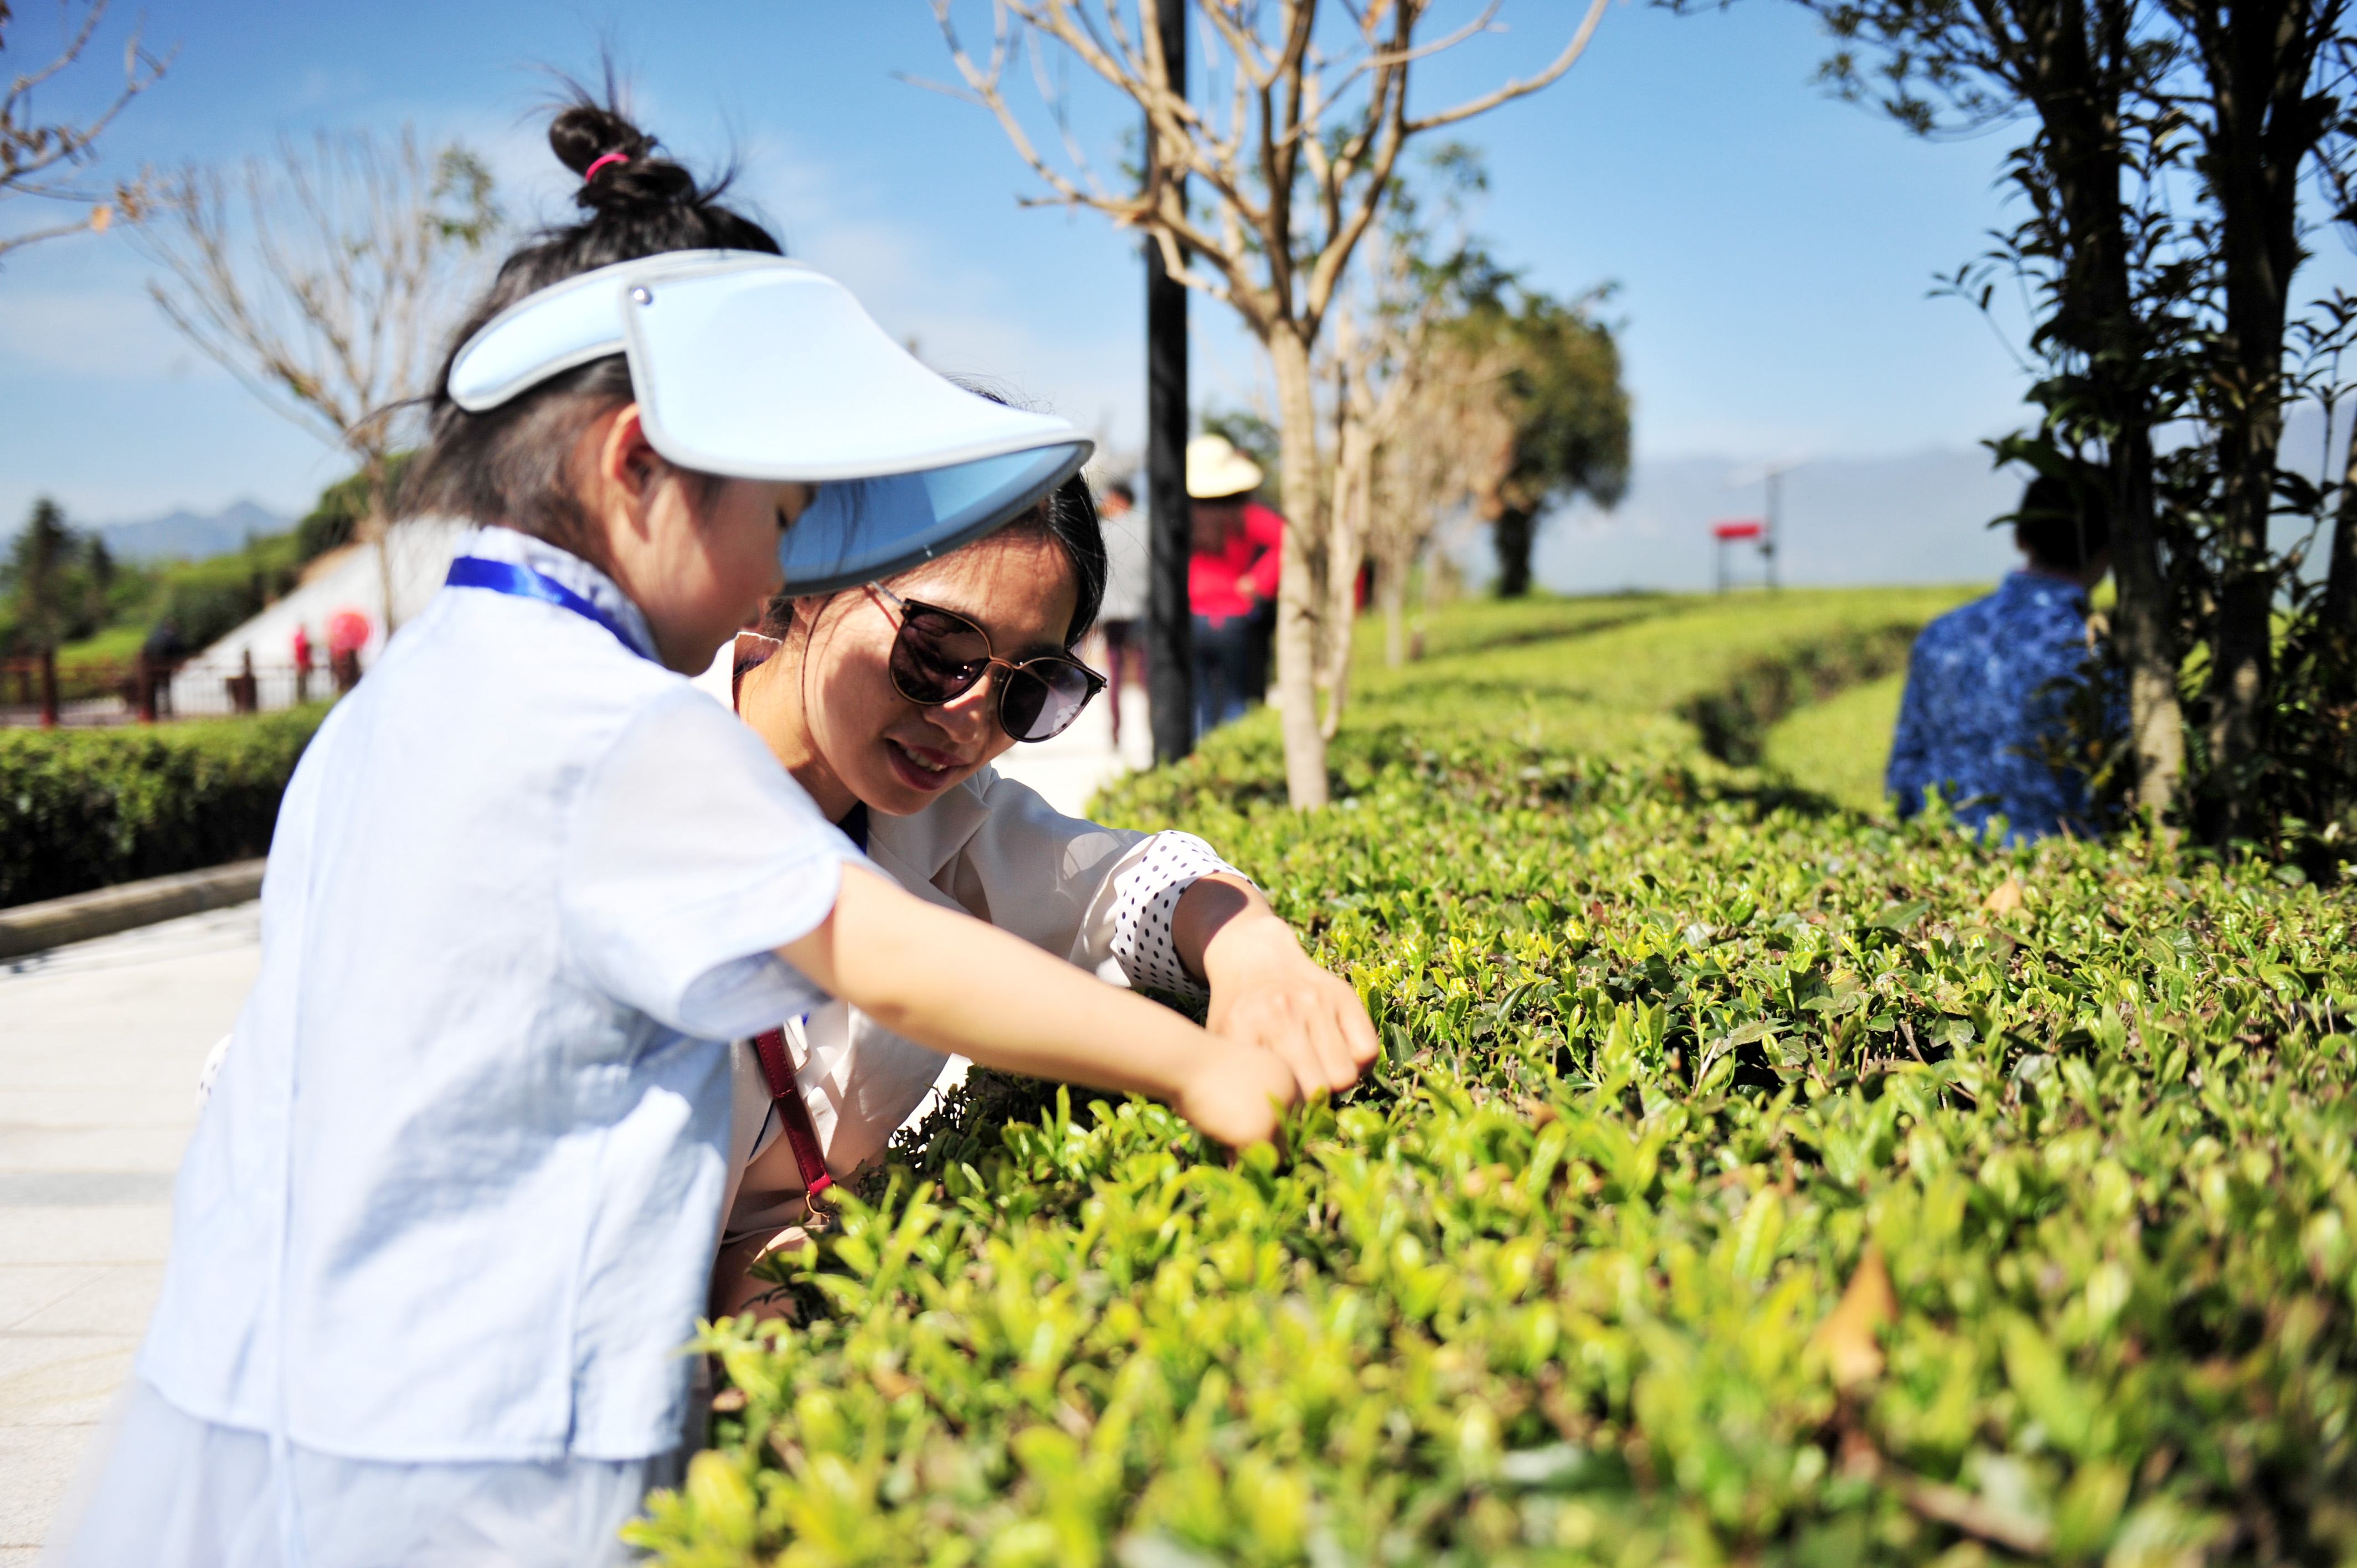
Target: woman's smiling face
[(866, 740)]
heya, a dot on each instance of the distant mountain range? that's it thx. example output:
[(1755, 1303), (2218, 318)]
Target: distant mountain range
[(186, 536)]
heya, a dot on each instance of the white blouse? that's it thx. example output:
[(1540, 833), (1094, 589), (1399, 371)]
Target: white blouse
[(1102, 898)]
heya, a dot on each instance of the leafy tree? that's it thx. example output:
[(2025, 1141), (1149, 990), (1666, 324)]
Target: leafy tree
[(2162, 176), (1558, 386), (57, 582)]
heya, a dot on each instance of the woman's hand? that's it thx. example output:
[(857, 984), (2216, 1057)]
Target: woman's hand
[(1266, 991)]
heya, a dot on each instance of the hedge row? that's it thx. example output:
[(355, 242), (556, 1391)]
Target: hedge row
[(84, 809), (1743, 1182)]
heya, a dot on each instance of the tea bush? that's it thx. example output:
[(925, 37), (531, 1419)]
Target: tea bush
[(83, 808), (1743, 1181), (1841, 747)]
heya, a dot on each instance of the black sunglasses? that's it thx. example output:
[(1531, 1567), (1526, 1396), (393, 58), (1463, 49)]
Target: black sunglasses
[(939, 656)]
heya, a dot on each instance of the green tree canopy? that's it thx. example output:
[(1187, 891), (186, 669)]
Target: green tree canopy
[(1563, 395), (54, 583)]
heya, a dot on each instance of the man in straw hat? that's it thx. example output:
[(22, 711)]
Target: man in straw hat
[(1231, 577)]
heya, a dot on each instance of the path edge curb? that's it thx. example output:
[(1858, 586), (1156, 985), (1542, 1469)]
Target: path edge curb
[(54, 922)]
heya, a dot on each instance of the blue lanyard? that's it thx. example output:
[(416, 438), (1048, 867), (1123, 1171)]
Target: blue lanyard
[(523, 582)]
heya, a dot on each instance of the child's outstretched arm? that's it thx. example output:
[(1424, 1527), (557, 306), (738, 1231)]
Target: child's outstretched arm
[(950, 982)]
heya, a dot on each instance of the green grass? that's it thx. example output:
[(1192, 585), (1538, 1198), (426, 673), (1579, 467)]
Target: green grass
[(116, 645), (1839, 747), (1618, 659), (1736, 1186)]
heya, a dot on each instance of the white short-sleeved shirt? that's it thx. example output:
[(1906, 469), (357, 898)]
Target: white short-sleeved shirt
[(456, 1190)]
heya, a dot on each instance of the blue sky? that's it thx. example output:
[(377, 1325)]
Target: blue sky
[(1772, 249)]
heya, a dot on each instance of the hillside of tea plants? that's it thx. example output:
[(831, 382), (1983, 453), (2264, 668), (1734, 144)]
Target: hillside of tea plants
[(1745, 1180)]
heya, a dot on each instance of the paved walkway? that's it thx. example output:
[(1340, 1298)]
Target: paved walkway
[(100, 1047)]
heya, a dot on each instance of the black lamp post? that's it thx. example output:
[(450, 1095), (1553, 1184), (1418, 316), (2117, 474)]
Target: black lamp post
[(1169, 626)]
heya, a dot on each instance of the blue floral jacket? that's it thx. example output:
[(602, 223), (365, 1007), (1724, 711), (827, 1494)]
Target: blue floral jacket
[(1981, 696)]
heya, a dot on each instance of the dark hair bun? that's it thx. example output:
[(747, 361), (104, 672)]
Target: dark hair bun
[(584, 133)]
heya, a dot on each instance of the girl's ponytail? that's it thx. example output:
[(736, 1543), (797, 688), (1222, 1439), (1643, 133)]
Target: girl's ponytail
[(508, 465), (622, 179)]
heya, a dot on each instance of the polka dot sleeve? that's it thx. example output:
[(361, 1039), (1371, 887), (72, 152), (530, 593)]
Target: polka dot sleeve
[(1147, 890)]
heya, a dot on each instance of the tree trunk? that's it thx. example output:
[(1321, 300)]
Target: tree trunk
[(1299, 598), (2338, 634), (2341, 576), (1391, 590), (2255, 55), (2140, 629), (48, 688), (374, 526), (1345, 549), (2070, 70), (1513, 533)]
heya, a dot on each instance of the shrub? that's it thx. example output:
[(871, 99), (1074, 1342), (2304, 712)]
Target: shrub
[(1743, 1181), (83, 809)]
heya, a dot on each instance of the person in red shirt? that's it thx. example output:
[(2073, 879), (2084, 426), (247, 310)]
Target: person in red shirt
[(1232, 579)]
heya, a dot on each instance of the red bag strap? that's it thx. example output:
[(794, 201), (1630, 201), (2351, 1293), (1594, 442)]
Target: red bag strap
[(793, 1115)]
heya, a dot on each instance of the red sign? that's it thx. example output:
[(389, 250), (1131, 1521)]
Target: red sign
[(1747, 528)]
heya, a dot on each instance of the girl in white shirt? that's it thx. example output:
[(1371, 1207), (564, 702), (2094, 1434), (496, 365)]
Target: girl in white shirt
[(448, 1215), (880, 702)]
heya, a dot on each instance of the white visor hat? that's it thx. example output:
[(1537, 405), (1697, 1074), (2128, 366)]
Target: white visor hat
[(758, 368)]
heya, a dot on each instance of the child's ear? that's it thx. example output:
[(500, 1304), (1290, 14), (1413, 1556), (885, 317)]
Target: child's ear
[(627, 459)]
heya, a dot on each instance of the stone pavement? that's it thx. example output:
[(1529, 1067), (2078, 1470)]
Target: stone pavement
[(100, 1047)]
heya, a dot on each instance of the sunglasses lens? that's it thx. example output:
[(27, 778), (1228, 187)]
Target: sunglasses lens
[(1043, 699), (937, 656)]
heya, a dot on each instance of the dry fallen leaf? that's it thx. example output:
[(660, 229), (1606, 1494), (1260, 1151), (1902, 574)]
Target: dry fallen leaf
[(2004, 898), (1846, 1338)]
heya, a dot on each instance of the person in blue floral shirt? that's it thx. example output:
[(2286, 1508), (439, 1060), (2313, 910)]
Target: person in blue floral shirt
[(1989, 684)]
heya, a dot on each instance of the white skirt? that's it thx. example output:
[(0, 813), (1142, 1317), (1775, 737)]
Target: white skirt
[(164, 1490)]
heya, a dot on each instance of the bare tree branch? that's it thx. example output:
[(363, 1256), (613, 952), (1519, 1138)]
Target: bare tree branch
[(1264, 206), (1513, 89), (326, 279), (35, 155)]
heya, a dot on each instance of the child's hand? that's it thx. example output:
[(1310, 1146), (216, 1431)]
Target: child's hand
[(1238, 1094)]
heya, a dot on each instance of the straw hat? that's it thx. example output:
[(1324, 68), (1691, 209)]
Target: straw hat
[(1216, 470)]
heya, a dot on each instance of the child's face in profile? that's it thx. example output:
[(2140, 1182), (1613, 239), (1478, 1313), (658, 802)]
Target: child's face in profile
[(885, 749), (717, 563)]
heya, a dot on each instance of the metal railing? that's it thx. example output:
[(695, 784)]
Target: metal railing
[(39, 691)]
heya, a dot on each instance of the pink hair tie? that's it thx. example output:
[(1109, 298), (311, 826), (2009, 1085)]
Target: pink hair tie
[(591, 172)]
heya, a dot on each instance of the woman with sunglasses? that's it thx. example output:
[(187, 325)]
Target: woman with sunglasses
[(889, 704)]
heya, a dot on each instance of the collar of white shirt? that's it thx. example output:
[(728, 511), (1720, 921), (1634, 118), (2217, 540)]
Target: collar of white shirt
[(565, 569)]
